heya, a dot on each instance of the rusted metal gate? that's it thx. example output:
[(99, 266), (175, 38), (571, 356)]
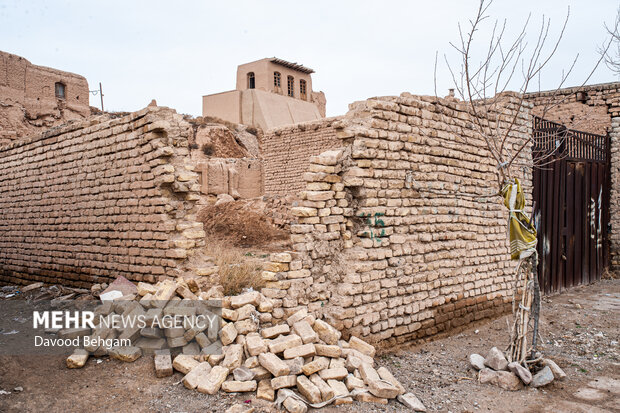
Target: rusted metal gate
[(571, 196)]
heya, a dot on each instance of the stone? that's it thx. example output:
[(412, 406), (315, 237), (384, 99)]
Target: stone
[(558, 373), (245, 312), (255, 345), (239, 386), (243, 374), (383, 389), (246, 326), (504, 379), (251, 362), (353, 382), (308, 389), (294, 406), (327, 392), (184, 363), (543, 377), (283, 381), (202, 340), (78, 359), (411, 401), (476, 361), (253, 297), (386, 375), (192, 349), (305, 331), (233, 356), (260, 373), (328, 350), (361, 346), (271, 332), (265, 391), (239, 408), (228, 334), (346, 352), (285, 342), (306, 350), (192, 378), (127, 354), (369, 398), (295, 365), (211, 383), (298, 316), (326, 332), (523, 373), (224, 199), (273, 364), (316, 365), (228, 314), (495, 359), (339, 389), (145, 288), (163, 363), (368, 373), (333, 374)]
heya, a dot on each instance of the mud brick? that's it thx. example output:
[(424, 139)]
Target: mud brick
[(163, 363), (306, 350), (320, 363), (192, 378), (184, 363), (271, 332), (305, 331), (78, 359), (239, 386), (283, 381), (265, 391), (285, 342), (211, 383), (308, 389), (273, 364), (253, 298), (340, 389), (333, 374), (361, 346)]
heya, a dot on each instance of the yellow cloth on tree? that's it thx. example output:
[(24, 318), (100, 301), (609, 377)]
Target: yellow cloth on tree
[(522, 232)]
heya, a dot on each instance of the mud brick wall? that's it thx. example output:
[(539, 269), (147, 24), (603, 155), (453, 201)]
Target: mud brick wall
[(594, 109), (286, 152), (399, 235), (89, 201), (28, 102)]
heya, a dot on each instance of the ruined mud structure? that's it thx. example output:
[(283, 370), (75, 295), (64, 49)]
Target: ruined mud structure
[(33, 97), (397, 232)]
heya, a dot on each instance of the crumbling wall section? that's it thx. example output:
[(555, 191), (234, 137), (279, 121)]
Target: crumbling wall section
[(286, 152), (28, 101), (89, 201), (400, 234)]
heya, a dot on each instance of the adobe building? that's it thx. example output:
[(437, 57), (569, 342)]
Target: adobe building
[(34, 98), (270, 92)]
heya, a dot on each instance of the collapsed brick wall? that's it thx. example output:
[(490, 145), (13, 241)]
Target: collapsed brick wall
[(399, 235), (594, 109), (286, 152), (28, 103), (89, 201)]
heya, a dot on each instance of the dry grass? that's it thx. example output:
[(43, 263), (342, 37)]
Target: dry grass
[(236, 271)]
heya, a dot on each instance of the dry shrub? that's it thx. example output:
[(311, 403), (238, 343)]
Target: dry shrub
[(232, 222), (236, 271)]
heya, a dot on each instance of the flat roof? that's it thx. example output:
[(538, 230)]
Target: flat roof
[(294, 66)]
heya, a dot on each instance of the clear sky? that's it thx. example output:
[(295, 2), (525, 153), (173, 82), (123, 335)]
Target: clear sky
[(177, 51)]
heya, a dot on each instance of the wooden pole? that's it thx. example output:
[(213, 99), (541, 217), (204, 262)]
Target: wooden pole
[(101, 94)]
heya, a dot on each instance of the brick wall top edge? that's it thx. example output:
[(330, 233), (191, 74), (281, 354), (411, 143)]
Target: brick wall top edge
[(75, 125), (43, 68), (574, 89), (325, 122)]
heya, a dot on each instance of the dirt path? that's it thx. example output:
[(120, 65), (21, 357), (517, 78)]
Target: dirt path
[(581, 330)]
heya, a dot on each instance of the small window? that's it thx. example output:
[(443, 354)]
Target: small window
[(291, 84), (302, 89), (277, 82), (251, 81), (59, 89)]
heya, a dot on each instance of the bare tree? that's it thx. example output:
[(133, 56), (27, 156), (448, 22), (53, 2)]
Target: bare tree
[(483, 84), (612, 53)]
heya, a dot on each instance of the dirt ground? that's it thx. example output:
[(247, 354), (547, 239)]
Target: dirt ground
[(580, 329)]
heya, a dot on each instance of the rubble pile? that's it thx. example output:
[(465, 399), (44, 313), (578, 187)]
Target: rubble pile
[(495, 369), (299, 363)]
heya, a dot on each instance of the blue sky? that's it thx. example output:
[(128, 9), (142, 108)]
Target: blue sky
[(176, 52)]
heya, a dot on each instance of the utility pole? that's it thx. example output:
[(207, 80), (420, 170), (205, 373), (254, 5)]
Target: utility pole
[(101, 94)]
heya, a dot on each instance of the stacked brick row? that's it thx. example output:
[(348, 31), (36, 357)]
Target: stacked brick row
[(614, 203), (400, 231), (286, 151), (90, 201)]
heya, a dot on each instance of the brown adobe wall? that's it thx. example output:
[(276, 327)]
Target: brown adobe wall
[(438, 255), (27, 98), (89, 201), (286, 152)]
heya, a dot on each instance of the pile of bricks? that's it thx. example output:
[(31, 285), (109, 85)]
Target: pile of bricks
[(303, 360)]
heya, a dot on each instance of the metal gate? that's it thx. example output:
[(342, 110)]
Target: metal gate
[(571, 205)]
